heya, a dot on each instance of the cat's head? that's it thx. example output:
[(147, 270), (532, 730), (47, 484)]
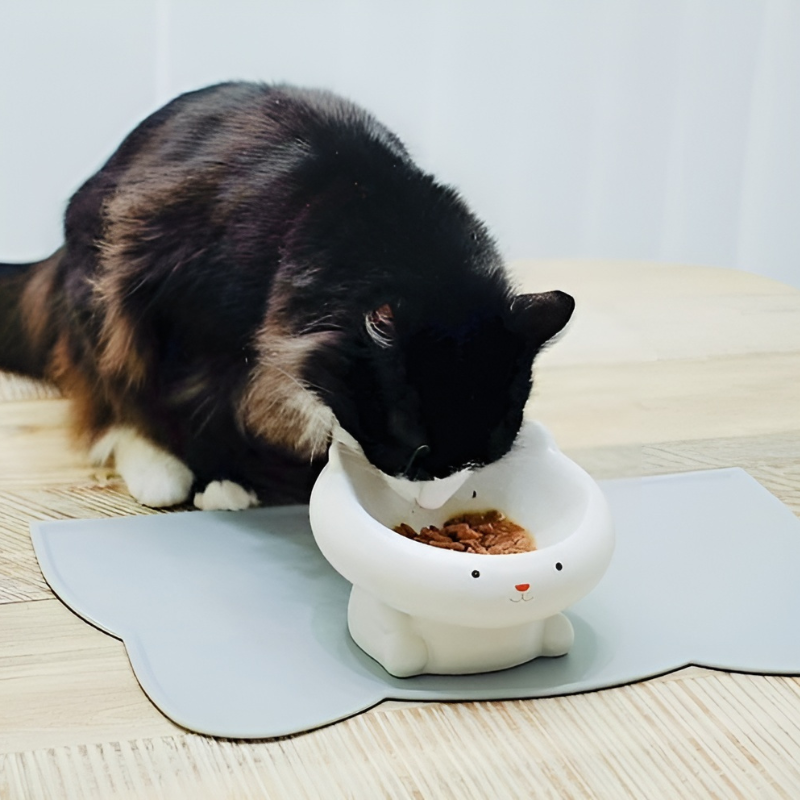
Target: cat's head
[(428, 392), (393, 312)]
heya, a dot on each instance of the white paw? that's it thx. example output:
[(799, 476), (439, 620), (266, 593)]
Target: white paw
[(154, 477), (225, 496)]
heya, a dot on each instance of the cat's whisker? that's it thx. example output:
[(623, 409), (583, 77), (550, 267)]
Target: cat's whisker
[(324, 324)]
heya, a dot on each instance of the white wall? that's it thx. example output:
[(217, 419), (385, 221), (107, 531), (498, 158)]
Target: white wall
[(650, 129)]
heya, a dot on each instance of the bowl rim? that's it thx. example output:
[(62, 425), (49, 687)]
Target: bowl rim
[(336, 481)]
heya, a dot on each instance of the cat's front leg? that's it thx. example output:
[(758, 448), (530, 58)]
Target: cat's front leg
[(158, 478), (218, 457), (386, 634), (154, 476), (224, 495)]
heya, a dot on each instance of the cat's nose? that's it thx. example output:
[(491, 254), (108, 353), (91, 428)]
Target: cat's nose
[(522, 587)]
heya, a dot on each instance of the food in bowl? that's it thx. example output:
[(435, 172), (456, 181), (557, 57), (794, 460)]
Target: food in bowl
[(482, 532)]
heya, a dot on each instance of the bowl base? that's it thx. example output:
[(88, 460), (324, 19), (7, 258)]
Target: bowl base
[(406, 645)]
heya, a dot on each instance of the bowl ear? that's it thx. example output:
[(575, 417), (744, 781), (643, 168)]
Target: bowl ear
[(541, 316)]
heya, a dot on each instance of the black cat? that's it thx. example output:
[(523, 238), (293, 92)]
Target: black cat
[(256, 267)]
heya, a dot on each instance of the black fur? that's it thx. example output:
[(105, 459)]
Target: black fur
[(16, 352), (244, 209)]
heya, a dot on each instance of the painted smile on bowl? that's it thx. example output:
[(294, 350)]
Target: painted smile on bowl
[(522, 588)]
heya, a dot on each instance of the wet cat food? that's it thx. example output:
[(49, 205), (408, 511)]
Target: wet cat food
[(483, 532)]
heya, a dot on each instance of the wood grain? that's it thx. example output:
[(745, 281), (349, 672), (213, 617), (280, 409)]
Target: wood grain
[(63, 682), (669, 400), (20, 578), (666, 368), (16, 387), (723, 736), (36, 447)]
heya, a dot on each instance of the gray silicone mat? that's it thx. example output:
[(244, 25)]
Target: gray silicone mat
[(236, 626)]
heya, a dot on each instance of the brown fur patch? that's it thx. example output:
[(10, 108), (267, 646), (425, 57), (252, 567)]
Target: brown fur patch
[(119, 355), (126, 263), (277, 404), (36, 300), (90, 414)]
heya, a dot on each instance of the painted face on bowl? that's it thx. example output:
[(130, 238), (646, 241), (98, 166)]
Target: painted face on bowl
[(488, 591)]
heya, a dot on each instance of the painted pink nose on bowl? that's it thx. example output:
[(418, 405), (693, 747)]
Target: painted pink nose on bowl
[(420, 609)]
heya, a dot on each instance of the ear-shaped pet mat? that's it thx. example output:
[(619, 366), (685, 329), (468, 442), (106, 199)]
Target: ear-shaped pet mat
[(236, 626)]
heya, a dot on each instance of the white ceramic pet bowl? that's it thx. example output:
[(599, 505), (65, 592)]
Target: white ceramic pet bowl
[(416, 608)]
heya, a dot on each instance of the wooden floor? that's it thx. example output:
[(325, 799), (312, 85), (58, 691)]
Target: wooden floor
[(665, 368)]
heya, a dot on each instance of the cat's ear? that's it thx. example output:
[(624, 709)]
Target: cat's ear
[(380, 325), (541, 316)]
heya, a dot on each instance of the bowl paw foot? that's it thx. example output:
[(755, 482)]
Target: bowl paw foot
[(558, 636), (404, 656)]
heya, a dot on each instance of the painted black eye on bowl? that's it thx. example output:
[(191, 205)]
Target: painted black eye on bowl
[(475, 573), (559, 566)]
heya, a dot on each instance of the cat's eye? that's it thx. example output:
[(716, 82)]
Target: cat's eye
[(559, 566), (380, 325), (476, 573)]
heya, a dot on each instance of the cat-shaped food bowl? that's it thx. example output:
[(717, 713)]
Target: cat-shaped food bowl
[(420, 609)]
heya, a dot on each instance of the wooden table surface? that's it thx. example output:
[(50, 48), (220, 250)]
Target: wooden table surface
[(665, 368)]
